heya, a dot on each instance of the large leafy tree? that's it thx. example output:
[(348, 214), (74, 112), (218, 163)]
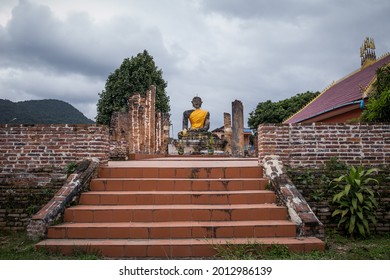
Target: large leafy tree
[(277, 112), (136, 74), (378, 107)]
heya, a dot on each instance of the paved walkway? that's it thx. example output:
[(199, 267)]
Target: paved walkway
[(195, 162)]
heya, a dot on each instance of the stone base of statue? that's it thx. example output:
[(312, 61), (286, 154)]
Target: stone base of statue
[(197, 143)]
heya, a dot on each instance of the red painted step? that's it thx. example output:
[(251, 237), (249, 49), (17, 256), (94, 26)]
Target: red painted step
[(181, 172), (171, 248), (176, 197), (174, 184), (171, 230), (177, 212)]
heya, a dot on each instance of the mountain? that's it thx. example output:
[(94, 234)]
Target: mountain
[(47, 111)]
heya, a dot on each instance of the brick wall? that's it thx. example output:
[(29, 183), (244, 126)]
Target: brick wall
[(27, 147), (313, 144), (33, 159)]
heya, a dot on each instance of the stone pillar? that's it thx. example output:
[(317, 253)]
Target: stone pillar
[(141, 135), (227, 122), (151, 96), (166, 125), (237, 128), (161, 137), (119, 135), (131, 125), (146, 123), (119, 126), (134, 129)]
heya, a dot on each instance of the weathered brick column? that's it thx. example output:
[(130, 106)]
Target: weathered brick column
[(162, 132), (119, 136), (141, 122), (237, 128), (227, 121), (151, 120), (134, 134), (166, 125)]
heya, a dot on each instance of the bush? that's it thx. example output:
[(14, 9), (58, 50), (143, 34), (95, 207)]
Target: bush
[(355, 201)]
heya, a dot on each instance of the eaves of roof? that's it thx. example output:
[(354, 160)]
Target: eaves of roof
[(331, 109)]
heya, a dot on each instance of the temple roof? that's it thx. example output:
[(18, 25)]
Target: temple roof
[(349, 90)]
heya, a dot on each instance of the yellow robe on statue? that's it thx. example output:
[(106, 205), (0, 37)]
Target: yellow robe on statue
[(197, 118)]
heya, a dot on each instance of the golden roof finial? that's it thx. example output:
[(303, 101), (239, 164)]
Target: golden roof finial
[(367, 52)]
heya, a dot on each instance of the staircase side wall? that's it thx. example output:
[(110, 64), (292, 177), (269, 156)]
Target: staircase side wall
[(76, 182), (308, 225)]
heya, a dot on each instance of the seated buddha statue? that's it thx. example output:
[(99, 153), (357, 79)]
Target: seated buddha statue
[(198, 118)]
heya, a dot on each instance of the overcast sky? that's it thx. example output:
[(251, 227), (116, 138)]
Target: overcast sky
[(220, 50)]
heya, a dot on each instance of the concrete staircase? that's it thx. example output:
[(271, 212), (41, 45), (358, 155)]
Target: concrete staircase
[(174, 209)]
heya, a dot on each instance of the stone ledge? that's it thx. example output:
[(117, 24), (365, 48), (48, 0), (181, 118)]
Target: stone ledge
[(299, 210), (76, 182)]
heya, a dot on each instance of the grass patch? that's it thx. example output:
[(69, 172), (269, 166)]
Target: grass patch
[(17, 246), (376, 247)]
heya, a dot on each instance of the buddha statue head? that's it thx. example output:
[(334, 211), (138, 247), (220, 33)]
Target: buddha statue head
[(197, 102)]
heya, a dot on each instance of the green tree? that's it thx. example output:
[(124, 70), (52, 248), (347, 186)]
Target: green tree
[(277, 112), (378, 107), (136, 74)]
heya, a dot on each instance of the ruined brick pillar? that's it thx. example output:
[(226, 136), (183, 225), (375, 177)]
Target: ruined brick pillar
[(119, 126), (151, 102), (162, 132), (119, 135), (237, 128), (141, 122), (227, 122), (147, 130), (134, 135), (146, 124), (159, 136), (166, 125)]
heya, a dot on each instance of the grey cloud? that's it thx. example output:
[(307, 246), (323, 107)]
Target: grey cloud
[(35, 37), (278, 10), (42, 56)]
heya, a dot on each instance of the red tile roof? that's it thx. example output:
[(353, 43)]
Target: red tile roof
[(341, 93)]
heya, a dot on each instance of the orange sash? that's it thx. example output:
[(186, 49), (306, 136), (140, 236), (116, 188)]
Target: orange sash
[(197, 118)]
